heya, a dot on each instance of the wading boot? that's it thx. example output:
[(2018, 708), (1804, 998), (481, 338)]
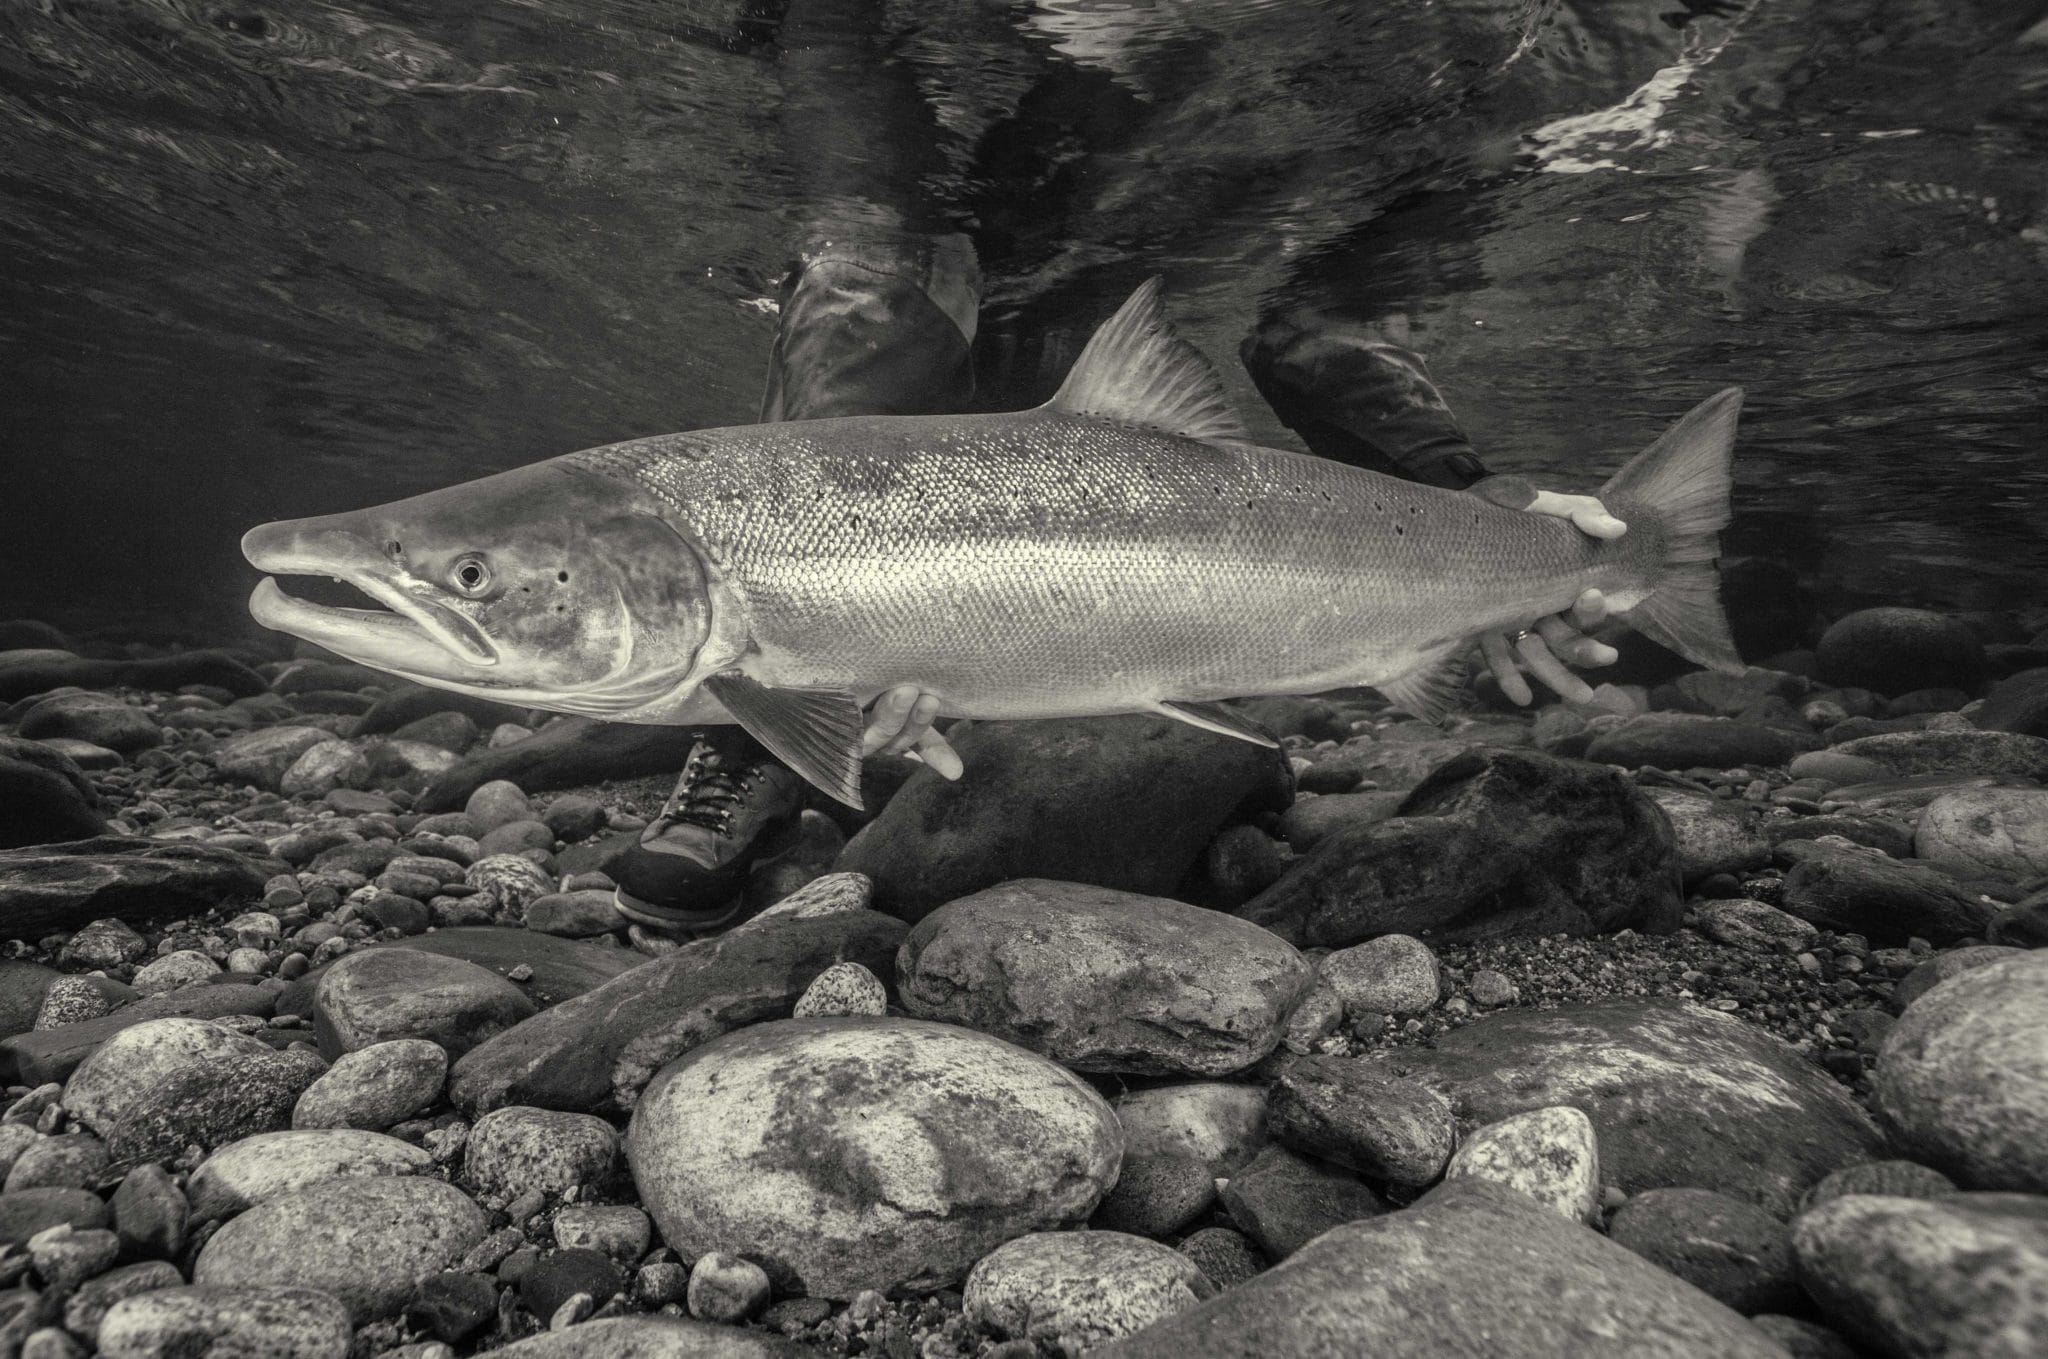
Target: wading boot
[(687, 872)]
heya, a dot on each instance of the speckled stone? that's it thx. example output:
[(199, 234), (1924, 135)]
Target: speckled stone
[(520, 1150), (1395, 974), (302, 1323), (103, 943), (1755, 926), (118, 1077), (1552, 1155), (175, 971), (726, 1288), (512, 881), (826, 895), (376, 995), (1891, 1179), (375, 1087), (1077, 1290), (619, 1230), (1225, 1255), (846, 989), (268, 1165)]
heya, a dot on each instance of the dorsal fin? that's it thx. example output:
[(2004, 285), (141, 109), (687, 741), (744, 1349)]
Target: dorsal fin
[(1135, 370)]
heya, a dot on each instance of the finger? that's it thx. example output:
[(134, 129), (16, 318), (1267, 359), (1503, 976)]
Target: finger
[(887, 716), (1590, 612), (1572, 646), (915, 726), (933, 749), (1536, 655), (1585, 511), (1494, 647)]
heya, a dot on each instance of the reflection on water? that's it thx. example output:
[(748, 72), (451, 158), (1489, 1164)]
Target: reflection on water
[(266, 260)]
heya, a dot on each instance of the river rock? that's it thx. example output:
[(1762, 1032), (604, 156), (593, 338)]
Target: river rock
[(1344, 1112), (1961, 1275), (174, 972), (1715, 835), (842, 989), (1284, 1201), (1473, 1268), (322, 768), (517, 1151), (1076, 1290), (1952, 753), (1963, 1076), (1226, 1255), (78, 1161), (364, 1240), (550, 970), (1395, 974), (1178, 1141), (213, 1103), (380, 994), (1104, 980), (2018, 703), (599, 1049), (574, 752), (25, 994), (1128, 803), (1896, 650), (375, 1087), (1991, 832), (1755, 926), (1311, 820), (848, 1154), (454, 732), (85, 1309), (103, 944), (726, 1288), (262, 757), (1689, 741), (44, 797), (257, 1169), (1728, 1249), (1889, 1179), (1495, 843), (33, 672), (654, 1337), (619, 1230), (28, 1212), (54, 1054), (97, 718), (49, 889), (120, 1077), (1552, 1155), (275, 1323), (1853, 890), (575, 915), (1940, 967), (1678, 1094), (497, 803)]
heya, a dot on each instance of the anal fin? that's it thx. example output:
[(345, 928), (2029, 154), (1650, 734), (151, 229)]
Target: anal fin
[(816, 732), (1431, 691), (1216, 717)]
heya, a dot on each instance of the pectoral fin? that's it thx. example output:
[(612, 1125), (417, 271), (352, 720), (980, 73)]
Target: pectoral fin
[(816, 732), (1429, 691), (1217, 718)]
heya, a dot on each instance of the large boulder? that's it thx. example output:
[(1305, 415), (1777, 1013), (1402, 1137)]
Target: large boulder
[(849, 1154), (1964, 1274), (1473, 1268), (1896, 651), (44, 797), (1102, 980), (598, 1049), (1495, 843), (48, 889), (1122, 802), (1679, 1094), (1963, 1076), (120, 1079)]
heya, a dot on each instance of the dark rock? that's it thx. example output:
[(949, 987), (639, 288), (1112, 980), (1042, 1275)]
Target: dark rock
[(388, 911), (574, 817), (1316, 718), (2019, 704), (1241, 862), (1495, 843), (603, 1046), (2023, 924), (378, 994), (575, 915), (559, 968), (1730, 1250), (97, 718), (1926, 701), (1474, 1268), (1123, 802), (23, 986), (1342, 1111), (31, 634), (1884, 833), (35, 672), (1896, 651), (53, 1054), (332, 701), (50, 889), (29, 1211), (1804, 1339), (1860, 891), (1679, 1095), (1178, 1141), (574, 752), (44, 797), (406, 703), (150, 1213), (1713, 694), (1689, 741), (1311, 820), (1225, 1256), (211, 1104), (1284, 1201), (562, 1274), (1953, 752), (452, 731), (453, 1306), (1102, 980)]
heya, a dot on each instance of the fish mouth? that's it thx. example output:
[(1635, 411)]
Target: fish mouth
[(411, 633)]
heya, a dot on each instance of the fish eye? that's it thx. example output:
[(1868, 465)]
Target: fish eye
[(472, 575)]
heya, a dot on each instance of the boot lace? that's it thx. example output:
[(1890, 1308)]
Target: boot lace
[(707, 792)]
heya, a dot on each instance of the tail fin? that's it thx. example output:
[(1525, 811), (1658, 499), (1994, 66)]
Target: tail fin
[(1683, 480)]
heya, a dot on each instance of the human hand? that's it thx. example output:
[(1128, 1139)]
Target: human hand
[(1550, 643), (900, 723)]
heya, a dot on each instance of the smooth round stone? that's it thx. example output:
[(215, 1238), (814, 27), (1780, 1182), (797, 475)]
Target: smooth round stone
[(520, 1150), (497, 803), (514, 836), (73, 1000), (15, 1138), (575, 915), (826, 895), (1077, 1290), (1963, 1076), (653, 1337), (261, 757), (66, 1256), (78, 1161), (1755, 926), (118, 1077), (573, 817), (321, 769), (619, 1230), (375, 1087), (1178, 1141), (97, 718), (843, 989), (85, 1309), (852, 1154), (1961, 1275), (512, 881), (256, 1322), (1997, 832), (175, 972), (1552, 1155), (364, 1240), (376, 995), (1890, 1179), (1361, 1117), (1729, 1250), (269, 1165), (726, 1288), (1394, 974), (1950, 963)]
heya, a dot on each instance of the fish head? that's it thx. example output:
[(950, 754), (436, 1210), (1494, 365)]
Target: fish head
[(548, 586)]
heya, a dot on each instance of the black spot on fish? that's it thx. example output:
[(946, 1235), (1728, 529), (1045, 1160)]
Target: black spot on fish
[(562, 576), (1400, 528)]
